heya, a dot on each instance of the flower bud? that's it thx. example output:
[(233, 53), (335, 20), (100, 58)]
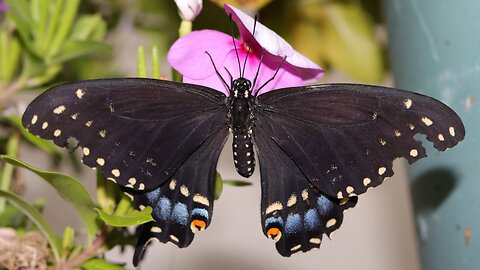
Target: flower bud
[(189, 9)]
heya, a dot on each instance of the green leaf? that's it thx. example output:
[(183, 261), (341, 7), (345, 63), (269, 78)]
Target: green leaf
[(68, 239), (73, 49), (69, 189), (155, 63), (350, 42), (37, 218), (99, 264), (108, 193), (89, 27), (40, 17), (237, 183), (141, 66), (19, 12), (131, 218), (218, 186), (66, 18)]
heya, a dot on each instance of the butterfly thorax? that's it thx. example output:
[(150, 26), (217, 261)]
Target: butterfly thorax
[(241, 118)]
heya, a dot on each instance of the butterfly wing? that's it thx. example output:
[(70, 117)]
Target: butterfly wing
[(294, 213), (183, 205), (138, 131), (344, 137)]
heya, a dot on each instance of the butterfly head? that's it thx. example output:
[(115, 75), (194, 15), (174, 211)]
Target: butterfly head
[(241, 87)]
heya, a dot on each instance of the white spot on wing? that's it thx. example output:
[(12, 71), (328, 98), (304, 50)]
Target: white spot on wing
[(331, 222), (74, 116), (350, 189), (116, 172), (34, 119), (305, 194), (452, 131), (427, 121), (297, 247), (132, 181), (184, 191), (86, 151), (441, 138), (340, 195), (382, 170), (315, 240), (174, 238), (80, 93), (44, 125), (59, 109), (292, 200), (89, 123), (156, 229), (172, 184), (366, 181), (407, 103), (102, 133), (201, 199), (100, 161), (57, 133), (414, 152), (273, 207)]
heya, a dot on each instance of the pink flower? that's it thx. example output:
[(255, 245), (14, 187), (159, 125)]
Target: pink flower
[(189, 9), (187, 55)]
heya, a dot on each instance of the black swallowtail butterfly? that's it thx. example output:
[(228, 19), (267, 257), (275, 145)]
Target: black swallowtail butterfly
[(319, 147)]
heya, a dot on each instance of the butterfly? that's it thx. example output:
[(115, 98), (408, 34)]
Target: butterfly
[(318, 147)]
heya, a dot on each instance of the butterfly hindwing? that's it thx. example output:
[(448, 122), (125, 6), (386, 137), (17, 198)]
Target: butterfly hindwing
[(137, 130), (184, 204), (344, 137), (293, 212)]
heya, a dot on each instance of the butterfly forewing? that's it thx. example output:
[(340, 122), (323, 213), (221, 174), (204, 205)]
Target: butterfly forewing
[(344, 137), (138, 130), (184, 204)]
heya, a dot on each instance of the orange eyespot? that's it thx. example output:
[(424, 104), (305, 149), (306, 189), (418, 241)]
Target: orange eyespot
[(274, 233), (198, 225)]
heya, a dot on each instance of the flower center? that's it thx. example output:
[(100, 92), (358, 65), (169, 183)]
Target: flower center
[(247, 47)]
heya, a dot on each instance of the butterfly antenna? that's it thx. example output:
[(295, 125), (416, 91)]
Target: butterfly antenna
[(229, 74), (273, 77), (235, 46), (216, 70), (249, 47), (258, 72)]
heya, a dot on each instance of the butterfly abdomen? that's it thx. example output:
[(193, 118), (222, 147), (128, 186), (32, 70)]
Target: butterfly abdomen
[(243, 153), (241, 116)]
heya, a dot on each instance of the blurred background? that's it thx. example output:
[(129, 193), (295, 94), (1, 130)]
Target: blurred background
[(101, 39)]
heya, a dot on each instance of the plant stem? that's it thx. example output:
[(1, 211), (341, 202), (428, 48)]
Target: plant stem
[(7, 172), (97, 247)]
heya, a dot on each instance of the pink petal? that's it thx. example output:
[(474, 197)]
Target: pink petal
[(274, 44), (287, 75), (191, 49)]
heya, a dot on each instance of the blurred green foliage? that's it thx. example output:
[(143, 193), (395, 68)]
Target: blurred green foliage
[(47, 42)]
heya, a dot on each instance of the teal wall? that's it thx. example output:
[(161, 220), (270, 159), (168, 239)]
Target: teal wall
[(435, 49)]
